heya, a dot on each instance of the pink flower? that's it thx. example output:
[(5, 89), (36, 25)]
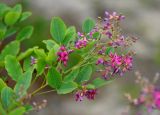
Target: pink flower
[(114, 15), (89, 94), (109, 34), (156, 96), (63, 55), (115, 59), (80, 34), (100, 61), (79, 96), (81, 43), (127, 60)]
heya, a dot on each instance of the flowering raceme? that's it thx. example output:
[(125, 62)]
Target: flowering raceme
[(149, 95), (156, 95), (67, 63), (111, 39), (63, 55)]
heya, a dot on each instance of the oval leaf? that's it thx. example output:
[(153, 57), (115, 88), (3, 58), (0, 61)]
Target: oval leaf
[(25, 33), (23, 83), (70, 35), (40, 66), (25, 15), (7, 95), (88, 25), (13, 15), (67, 87), (98, 82), (71, 76), (13, 67), (58, 29), (10, 49), (84, 74), (54, 78)]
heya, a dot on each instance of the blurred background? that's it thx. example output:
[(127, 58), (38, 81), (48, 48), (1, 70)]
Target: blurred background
[(142, 21)]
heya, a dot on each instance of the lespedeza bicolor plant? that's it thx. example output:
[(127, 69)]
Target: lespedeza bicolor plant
[(66, 65)]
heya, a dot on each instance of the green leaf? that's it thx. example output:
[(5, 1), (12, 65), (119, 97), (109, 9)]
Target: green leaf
[(67, 87), (13, 15), (2, 111), (18, 111), (84, 74), (51, 57), (24, 16), (7, 97), (2, 84), (54, 78), (58, 29), (26, 63), (11, 31), (41, 64), (3, 9), (89, 47), (51, 44), (109, 49), (23, 83), (3, 30), (26, 53), (71, 76), (28, 107), (88, 25), (13, 67), (98, 82), (74, 59), (40, 53), (70, 35), (90, 86), (25, 33), (96, 35), (10, 49)]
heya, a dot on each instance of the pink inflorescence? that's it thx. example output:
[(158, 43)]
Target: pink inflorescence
[(63, 55), (81, 43), (89, 94), (117, 64), (156, 97), (120, 64), (120, 41), (113, 15), (109, 20), (149, 96)]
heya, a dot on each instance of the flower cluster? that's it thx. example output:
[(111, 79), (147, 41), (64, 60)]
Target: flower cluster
[(149, 96), (114, 62), (113, 16), (89, 94), (111, 22), (81, 42), (63, 55), (156, 96), (116, 65), (100, 45)]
